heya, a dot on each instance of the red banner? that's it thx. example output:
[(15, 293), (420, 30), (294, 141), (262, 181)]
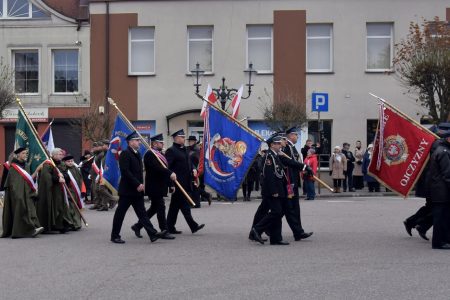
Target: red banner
[(401, 150)]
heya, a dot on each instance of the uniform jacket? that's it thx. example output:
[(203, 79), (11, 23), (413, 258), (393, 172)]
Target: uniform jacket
[(131, 173), (179, 162), (422, 185), (157, 177), (439, 174), (293, 169), (273, 176), (338, 164)]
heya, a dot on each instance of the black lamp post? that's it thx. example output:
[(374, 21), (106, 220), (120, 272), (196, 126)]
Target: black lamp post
[(223, 93)]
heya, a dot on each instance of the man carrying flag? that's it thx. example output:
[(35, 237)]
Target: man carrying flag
[(19, 211)]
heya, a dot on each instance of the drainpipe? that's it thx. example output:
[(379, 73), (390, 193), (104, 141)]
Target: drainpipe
[(107, 60)]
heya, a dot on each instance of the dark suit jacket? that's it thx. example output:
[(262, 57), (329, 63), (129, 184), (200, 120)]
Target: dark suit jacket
[(179, 162), (131, 173), (273, 176), (157, 177), (293, 168)]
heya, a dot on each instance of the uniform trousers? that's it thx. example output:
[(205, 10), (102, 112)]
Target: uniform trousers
[(441, 224), (271, 222), (157, 207), (423, 217), (177, 203), (139, 208)]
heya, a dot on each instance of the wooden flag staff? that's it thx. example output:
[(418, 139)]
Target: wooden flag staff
[(186, 195), (255, 134), (51, 160)]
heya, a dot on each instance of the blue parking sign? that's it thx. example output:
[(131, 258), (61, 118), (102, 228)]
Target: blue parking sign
[(319, 102)]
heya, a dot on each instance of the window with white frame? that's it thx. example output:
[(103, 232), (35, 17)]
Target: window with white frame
[(20, 9), (26, 71), (379, 46), (65, 71), (259, 47), (319, 48), (141, 60), (200, 47)]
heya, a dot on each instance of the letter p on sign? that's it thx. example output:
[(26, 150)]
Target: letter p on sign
[(320, 102)]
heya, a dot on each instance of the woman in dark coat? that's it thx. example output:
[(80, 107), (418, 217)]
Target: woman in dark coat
[(372, 183)]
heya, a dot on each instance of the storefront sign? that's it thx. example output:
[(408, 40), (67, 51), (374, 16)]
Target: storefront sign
[(35, 115)]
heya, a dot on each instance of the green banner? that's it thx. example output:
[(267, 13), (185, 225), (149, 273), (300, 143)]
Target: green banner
[(25, 137)]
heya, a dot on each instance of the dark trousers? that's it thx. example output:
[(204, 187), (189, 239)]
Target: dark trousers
[(262, 211), (292, 214), (358, 182), (158, 208), (271, 222), (441, 224), (247, 188), (373, 186), (348, 180), (139, 209), (310, 189), (337, 183), (423, 217), (178, 202)]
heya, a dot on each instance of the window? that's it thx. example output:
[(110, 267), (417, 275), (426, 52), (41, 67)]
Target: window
[(65, 71), (21, 9), (371, 130), (319, 48), (26, 71), (200, 48), (259, 47), (325, 139), (141, 51), (379, 47)]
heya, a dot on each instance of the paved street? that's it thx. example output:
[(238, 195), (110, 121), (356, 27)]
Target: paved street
[(359, 250)]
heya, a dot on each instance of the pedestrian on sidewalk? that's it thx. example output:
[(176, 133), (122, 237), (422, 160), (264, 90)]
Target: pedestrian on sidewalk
[(372, 183), (308, 180), (348, 180), (338, 168), (358, 176)]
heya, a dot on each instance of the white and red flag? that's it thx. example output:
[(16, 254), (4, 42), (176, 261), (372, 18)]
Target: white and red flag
[(211, 98), (236, 102), (401, 151)]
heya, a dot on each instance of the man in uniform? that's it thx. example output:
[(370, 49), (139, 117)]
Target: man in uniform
[(158, 180), (439, 184), (179, 162), (19, 211), (52, 207), (131, 191), (95, 174), (73, 178), (104, 195), (294, 167)]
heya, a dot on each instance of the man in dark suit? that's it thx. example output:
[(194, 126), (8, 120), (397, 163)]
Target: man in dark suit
[(294, 167), (131, 190), (179, 162), (158, 180)]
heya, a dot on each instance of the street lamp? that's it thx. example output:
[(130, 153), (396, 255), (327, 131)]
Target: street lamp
[(223, 93)]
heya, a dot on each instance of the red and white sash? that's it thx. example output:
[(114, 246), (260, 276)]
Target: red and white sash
[(76, 188), (26, 176), (161, 157), (98, 171), (6, 165)]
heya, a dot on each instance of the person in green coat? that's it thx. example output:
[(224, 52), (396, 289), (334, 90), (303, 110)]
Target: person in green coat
[(19, 211), (74, 179), (53, 205)]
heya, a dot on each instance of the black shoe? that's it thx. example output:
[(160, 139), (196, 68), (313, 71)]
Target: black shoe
[(198, 228), (117, 240), (281, 243), (443, 247), (351, 190), (167, 236), (175, 231), (137, 231), (154, 237), (407, 227), (209, 199), (303, 236), (252, 238), (257, 236), (422, 233)]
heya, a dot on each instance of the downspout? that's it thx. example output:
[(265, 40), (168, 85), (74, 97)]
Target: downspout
[(107, 60)]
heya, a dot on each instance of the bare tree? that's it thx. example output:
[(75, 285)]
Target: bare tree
[(95, 125), (7, 94), (422, 64), (288, 111)]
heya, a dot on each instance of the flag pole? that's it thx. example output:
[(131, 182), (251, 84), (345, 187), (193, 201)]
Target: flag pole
[(404, 115), (186, 195), (50, 159)]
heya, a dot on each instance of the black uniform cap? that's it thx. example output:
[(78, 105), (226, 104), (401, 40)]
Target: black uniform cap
[(274, 138), (192, 138), (292, 130), (178, 133), (18, 150), (133, 136), (67, 157), (157, 138)]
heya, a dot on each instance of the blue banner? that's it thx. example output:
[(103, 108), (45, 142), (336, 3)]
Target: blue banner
[(118, 143), (229, 151)]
